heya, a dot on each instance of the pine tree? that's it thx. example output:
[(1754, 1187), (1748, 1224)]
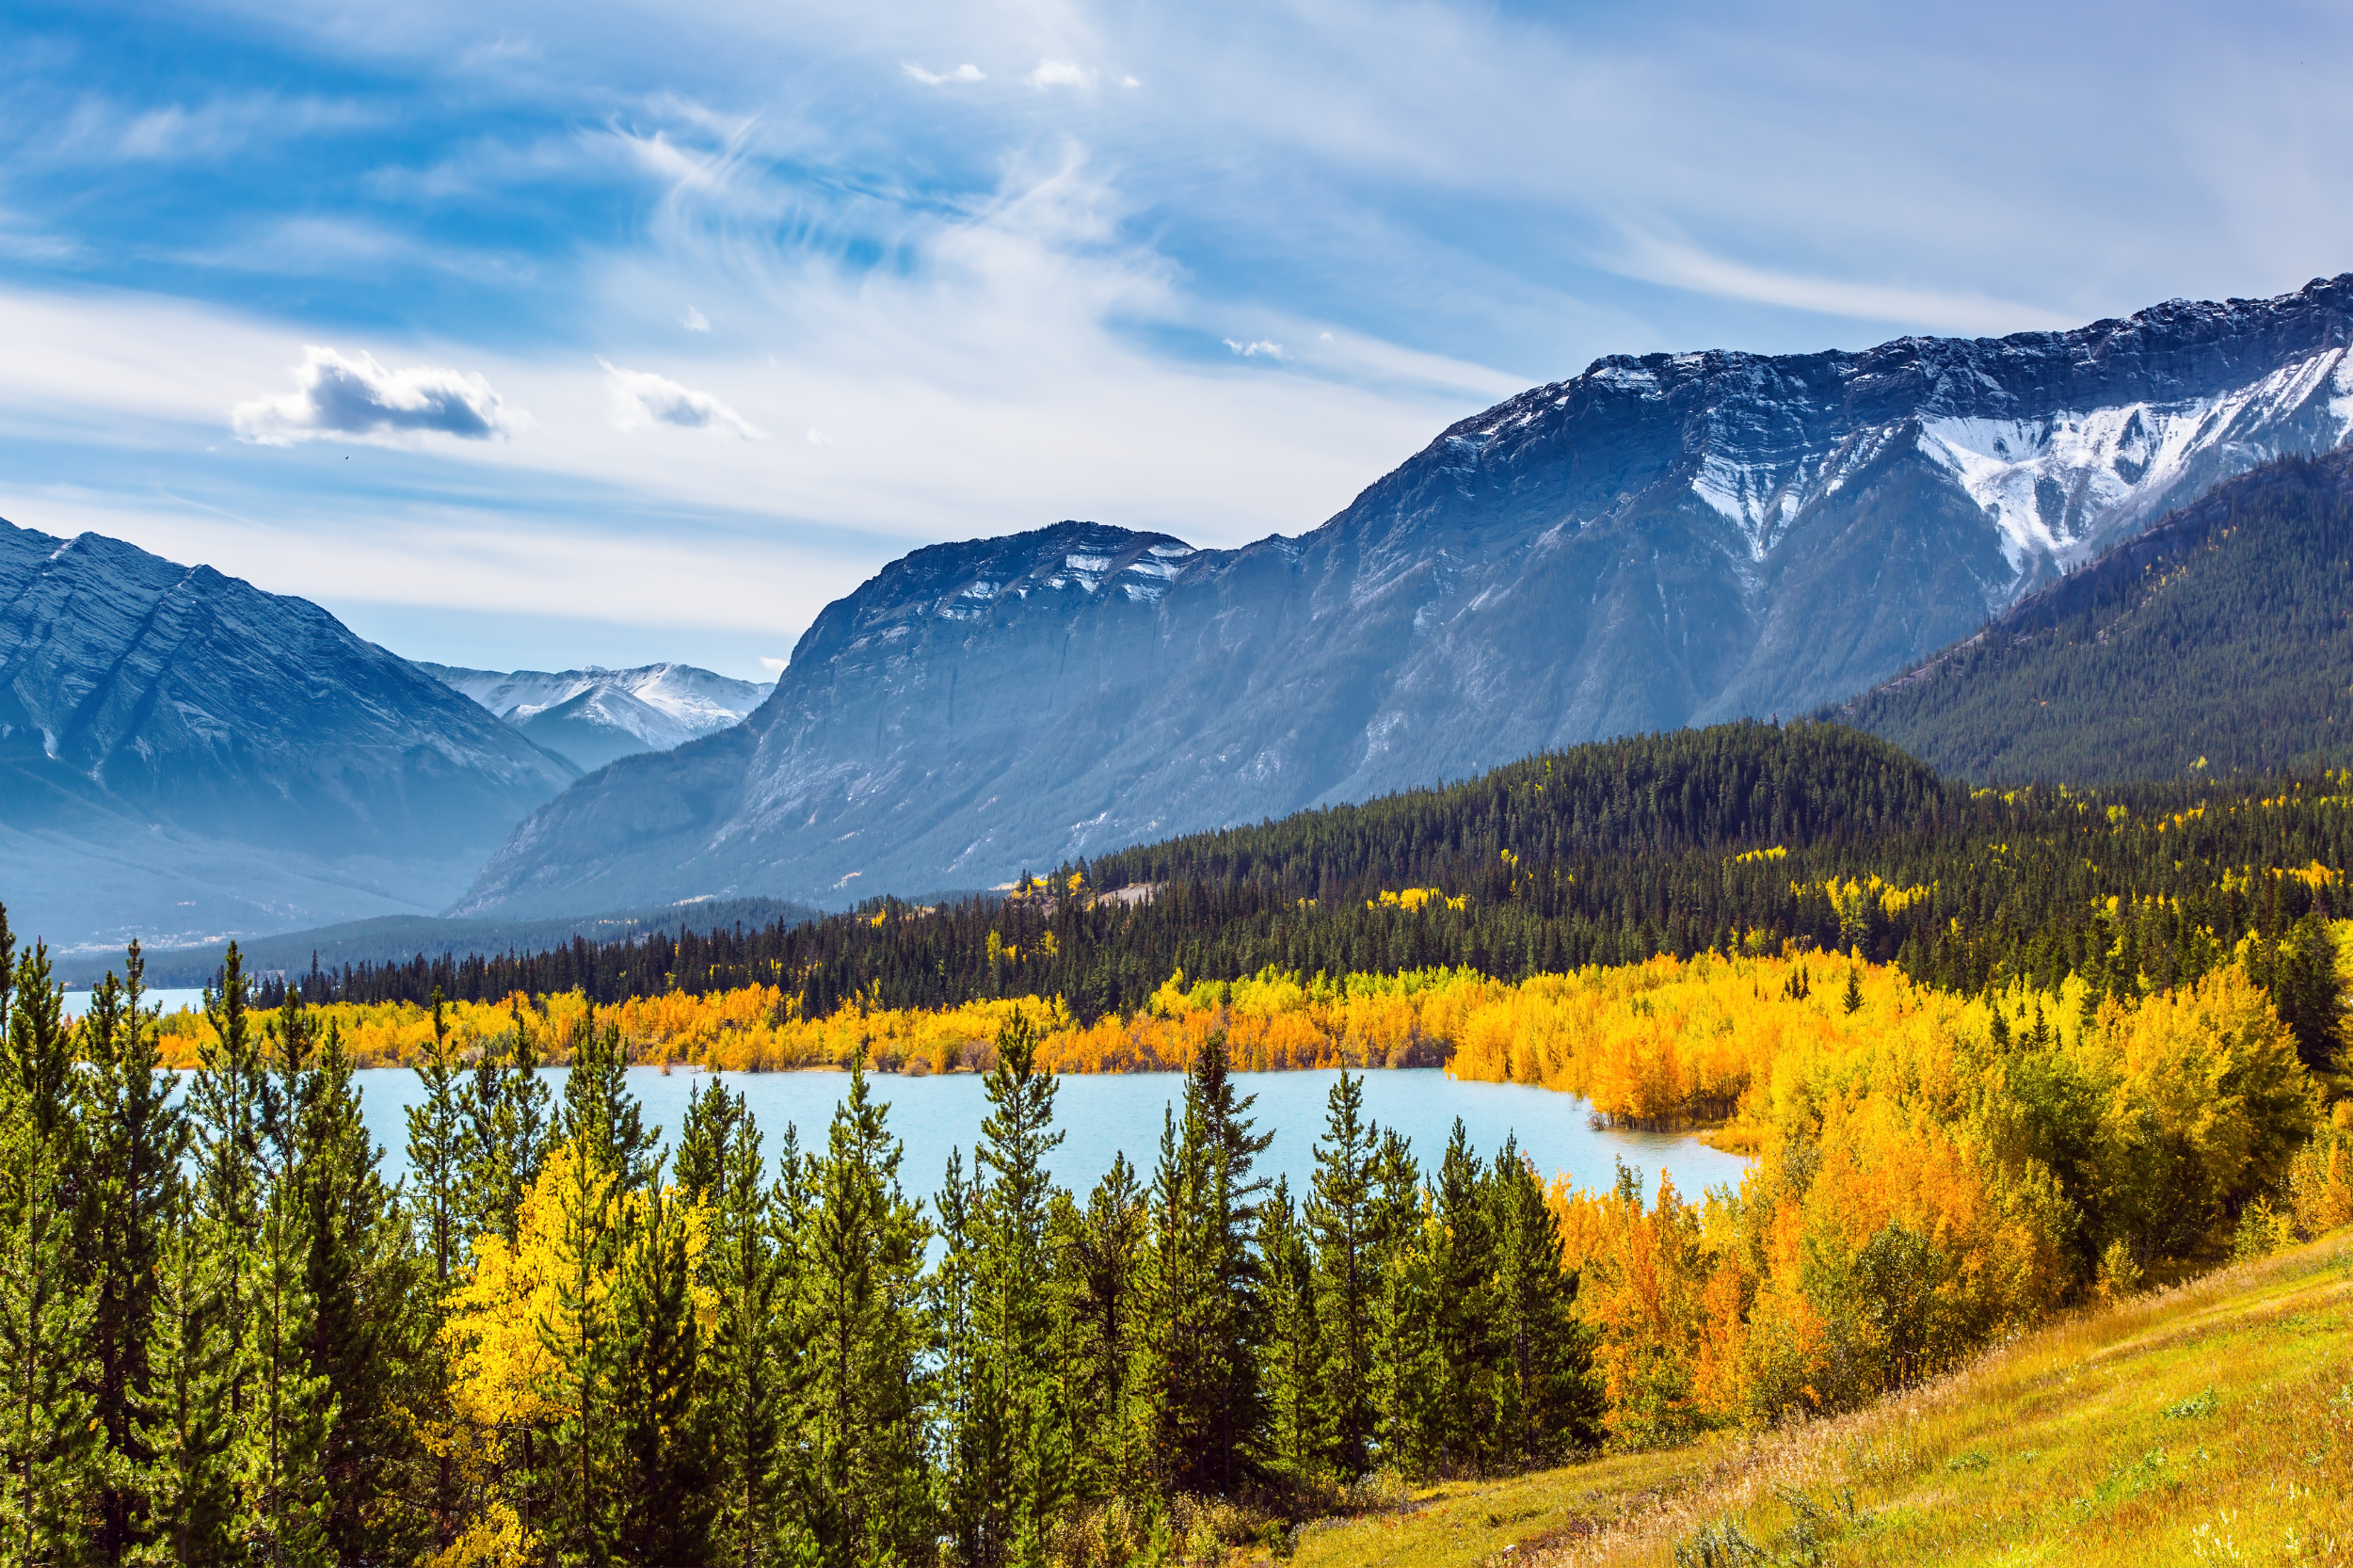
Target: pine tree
[(663, 1513), (134, 1139), (1463, 1274), (1348, 1258), (580, 1469), (279, 1443), (754, 1376), (601, 1116), (1012, 1470), (714, 1120), (1549, 1403), (1198, 1376), (1294, 1364), (1100, 1255), (182, 1419), (860, 1321), (372, 1335), (49, 1439)]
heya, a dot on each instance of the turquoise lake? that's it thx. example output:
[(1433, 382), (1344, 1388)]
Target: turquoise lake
[(1102, 1115)]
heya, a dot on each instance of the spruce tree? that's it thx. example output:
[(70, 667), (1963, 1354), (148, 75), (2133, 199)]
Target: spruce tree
[(50, 1489), (504, 1106), (435, 1149), (1013, 1469), (1462, 1275), (1101, 1256), (1299, 1441), (755, 1372), (601, 1116), (1198, 1375), (184, 1489), (860, 1326), (580, 1469), (1549, 1402), (663, 1513), (1341, 1219), (372, 1323), (133, 1139)]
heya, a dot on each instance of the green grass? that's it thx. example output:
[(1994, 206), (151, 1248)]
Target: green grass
[(2212, 1422)]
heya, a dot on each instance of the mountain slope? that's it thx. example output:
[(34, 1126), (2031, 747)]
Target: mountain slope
[(595, 716), (183, 752), (1661, 541), (2200, 1424), (2222, 637)]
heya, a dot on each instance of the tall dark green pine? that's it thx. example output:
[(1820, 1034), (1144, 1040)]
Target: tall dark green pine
[(278, 1445), (1198, 1376), (49, 1493), (1463, 1276), (435, 1151), (1342, 1219), (860, 1327), (134, 1138), (713, 1121), (755, 1373), (1010, 1441), (1406, 1387), (1299, 1442), (664, 1514), (600, 1114), (1549, 1403), (185, 1487), (1100, 1257), (372, 1317)]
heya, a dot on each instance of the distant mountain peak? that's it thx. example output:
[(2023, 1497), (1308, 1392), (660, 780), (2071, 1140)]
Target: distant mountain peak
[(593, 715)]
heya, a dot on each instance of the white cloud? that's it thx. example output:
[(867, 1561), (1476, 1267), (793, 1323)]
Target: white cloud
[(1057, 73), (817, 438), (773, 666), (641, 398), (695, 321), (966, 73), (338, 396), (1130, 82), (1253, 349), (1687, 268)]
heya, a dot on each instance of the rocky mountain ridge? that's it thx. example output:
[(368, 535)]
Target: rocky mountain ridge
[(1658, 541), (181, 752)]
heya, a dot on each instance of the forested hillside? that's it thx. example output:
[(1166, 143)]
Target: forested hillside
[(2219, 641), (1734, 838)]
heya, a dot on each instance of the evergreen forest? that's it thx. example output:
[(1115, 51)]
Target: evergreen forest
[(2217, 641)]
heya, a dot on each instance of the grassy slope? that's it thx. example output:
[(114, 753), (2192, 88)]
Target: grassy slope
[(2090, 1442)]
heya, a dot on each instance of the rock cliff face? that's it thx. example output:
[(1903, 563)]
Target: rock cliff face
[(1660, 541), (595, 716), (179, 725)]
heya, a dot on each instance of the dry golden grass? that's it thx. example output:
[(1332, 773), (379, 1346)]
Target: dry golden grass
[(2212, 1422)]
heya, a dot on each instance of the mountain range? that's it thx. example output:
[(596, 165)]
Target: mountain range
[(1659, 541), (593, 715), (181, 753)]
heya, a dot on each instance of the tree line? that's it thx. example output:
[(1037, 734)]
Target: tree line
[(1736, 838), (225, 1338)]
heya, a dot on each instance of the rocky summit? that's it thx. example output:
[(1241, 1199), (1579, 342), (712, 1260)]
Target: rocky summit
[(181, 753), (593, 715), (1660, 541)]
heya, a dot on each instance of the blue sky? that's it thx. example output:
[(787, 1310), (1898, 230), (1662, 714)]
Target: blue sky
[(545, 335)]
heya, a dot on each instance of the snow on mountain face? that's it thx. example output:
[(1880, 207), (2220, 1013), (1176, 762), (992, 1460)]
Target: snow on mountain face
[(595, 714), (1659, 541)]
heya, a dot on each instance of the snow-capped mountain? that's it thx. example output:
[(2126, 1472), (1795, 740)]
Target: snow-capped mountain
[(593, 715), (182, 754), (1662, 540)]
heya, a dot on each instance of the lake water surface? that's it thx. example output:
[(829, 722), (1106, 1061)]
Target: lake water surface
[(1104, 1115)]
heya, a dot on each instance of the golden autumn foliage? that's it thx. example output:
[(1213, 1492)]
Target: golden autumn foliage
[(1935, 1174)]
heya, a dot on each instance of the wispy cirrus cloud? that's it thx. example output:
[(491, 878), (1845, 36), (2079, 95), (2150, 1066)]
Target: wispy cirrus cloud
[(641, 399), (335, 395), (964, 72)]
